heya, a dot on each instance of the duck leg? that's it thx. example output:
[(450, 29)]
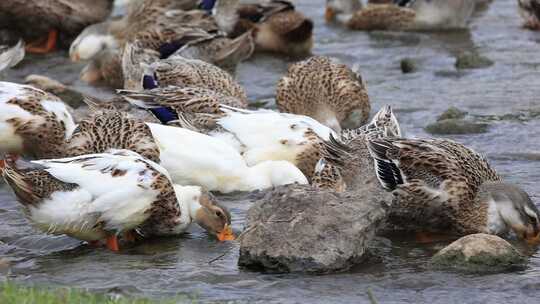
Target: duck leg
[(44, 47), (112, 243), (129, 236)]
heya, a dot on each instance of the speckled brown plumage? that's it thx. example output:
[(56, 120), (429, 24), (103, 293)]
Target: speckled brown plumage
[(187, 99), (165, 212), (224, 52), (112, 130), (382, 17), (196, 73), (326, 91), (342, 158), (36, 142), (31, 183), (278, 27), (435, 183)]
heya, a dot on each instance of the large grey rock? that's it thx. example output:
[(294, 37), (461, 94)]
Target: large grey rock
[(302, 229), (479, 253)]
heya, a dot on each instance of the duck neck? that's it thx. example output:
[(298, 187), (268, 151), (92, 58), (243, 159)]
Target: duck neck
[(225, 13), (188, 200), (481, 215)]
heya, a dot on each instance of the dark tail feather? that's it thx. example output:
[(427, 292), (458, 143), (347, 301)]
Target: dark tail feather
[(387, 171), (15, 176), (335, 151)]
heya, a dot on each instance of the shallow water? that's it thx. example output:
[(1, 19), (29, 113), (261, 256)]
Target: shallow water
[(164, 268)]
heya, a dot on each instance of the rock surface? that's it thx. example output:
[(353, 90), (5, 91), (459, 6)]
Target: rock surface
[(456, 126), (472, 60), (302, 229), (479, 253)]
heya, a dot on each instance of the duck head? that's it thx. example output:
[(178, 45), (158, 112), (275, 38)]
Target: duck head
[(205, 210), (91, 41), (335, 8), (514, 209)]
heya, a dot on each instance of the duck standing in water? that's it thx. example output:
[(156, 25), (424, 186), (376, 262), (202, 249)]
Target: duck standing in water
[(330, 92), (278, 27), (442, 186), (530, 11), (42, 23), (99, 197), (404, 15)]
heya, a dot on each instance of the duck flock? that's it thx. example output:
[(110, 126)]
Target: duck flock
[(147, 162)]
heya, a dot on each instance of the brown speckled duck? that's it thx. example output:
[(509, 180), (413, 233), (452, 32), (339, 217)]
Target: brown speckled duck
[(183, 72), (442, 186), (344, 156), (277, 25), (330, 92), (101, 196), (404, 15), (530, 11), (186, 99), (110, 129), (25, 114), (51, 19)]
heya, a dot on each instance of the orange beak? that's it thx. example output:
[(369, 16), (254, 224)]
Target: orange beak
[(75, 57), (226, 234), (329, 14), (533, 239)]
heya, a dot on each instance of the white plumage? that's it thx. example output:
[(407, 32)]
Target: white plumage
[(196, 159)]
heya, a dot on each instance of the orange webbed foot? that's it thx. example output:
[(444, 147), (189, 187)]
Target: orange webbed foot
[(112, 243), (46, 46)]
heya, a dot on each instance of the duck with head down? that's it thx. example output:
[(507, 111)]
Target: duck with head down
[(99, 197), (401, 15), (278, 27), (442, 186), (51, 20)]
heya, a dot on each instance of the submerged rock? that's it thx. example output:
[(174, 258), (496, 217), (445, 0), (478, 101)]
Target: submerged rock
[(472, 61), (302, 229), (479, 253), (452, 113), (456, 126)]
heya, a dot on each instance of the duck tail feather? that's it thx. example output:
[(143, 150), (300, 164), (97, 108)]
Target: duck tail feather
[(387, 171)]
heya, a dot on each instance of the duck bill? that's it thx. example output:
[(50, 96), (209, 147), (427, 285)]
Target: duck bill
[(533, 238), (226, 234), (329, 14)]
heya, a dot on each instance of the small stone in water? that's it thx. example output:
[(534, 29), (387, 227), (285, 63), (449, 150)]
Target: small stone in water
[(456, 126), (472, 61), (479, 253), (452, 113), (408, 66)]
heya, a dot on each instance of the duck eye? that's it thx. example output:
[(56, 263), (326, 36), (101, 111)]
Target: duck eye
[(219, 214)]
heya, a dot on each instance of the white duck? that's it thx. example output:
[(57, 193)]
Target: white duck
[(25, 112), (100, 196), (193, 158), (261, 135)]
